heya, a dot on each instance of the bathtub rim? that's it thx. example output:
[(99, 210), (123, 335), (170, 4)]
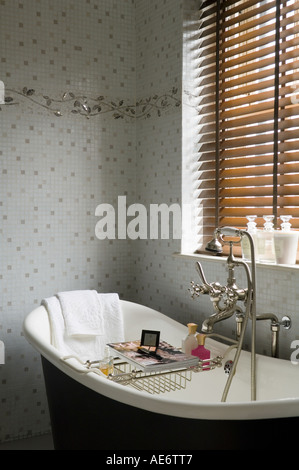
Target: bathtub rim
[(247, 410)]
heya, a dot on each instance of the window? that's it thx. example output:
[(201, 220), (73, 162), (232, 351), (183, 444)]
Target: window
[(248, 111)]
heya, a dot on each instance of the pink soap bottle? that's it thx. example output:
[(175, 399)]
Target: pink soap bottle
[(201, 351)]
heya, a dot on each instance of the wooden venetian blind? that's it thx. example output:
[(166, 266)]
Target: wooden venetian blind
[(248, 112)]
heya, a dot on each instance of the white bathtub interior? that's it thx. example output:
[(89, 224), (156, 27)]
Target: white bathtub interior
[(277, 380)]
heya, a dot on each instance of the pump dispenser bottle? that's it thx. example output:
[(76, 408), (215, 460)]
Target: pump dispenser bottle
[(190, 342), (266, 250), (200, 351), (251, 228)]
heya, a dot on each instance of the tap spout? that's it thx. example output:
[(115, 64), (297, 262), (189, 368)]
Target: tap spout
[(207, 326)]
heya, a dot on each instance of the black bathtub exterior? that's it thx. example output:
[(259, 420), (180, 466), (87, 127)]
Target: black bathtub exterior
[(82, 419)]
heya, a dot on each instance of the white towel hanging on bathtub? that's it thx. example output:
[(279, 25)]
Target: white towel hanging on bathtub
[(82, 312), (85, 346)]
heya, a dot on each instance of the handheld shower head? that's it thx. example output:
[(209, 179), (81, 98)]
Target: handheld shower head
[(214, 246)]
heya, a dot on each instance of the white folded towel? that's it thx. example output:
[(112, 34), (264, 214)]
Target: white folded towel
[(81, 343), (82, 313)]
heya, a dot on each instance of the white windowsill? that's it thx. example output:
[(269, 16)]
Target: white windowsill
[(217, 259)]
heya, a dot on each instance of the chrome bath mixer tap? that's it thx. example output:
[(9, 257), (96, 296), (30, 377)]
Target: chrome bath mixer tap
[(225, 298)]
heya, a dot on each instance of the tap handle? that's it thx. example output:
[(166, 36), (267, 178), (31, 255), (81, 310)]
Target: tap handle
[(199, 269), (196, 289)]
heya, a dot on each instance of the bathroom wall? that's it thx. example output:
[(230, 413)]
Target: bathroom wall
[(158, 161), (96, 112), (59, 161)]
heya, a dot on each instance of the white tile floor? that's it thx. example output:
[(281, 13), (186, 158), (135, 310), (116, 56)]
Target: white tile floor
[(34, 443)]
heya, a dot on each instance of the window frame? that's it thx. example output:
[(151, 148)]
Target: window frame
[(202, 229)]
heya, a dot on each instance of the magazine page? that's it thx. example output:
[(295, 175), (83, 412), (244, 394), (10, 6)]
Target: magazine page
[(166, 358)]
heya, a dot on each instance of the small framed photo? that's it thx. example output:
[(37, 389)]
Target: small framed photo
[(150, 339)]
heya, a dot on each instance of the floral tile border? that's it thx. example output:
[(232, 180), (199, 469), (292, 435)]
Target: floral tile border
[(90, 107)]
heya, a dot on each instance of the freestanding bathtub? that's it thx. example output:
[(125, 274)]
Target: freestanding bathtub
[(89, 412)]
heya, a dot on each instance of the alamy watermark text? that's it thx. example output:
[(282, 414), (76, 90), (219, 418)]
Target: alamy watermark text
[(135, 221)]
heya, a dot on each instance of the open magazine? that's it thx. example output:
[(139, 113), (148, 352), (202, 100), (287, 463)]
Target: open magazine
[(166, 356)]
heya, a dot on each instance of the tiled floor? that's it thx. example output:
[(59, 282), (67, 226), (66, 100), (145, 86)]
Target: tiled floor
[(34, 443)]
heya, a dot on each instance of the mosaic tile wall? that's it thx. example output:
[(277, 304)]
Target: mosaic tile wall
[(94, 112), (59, 159)]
